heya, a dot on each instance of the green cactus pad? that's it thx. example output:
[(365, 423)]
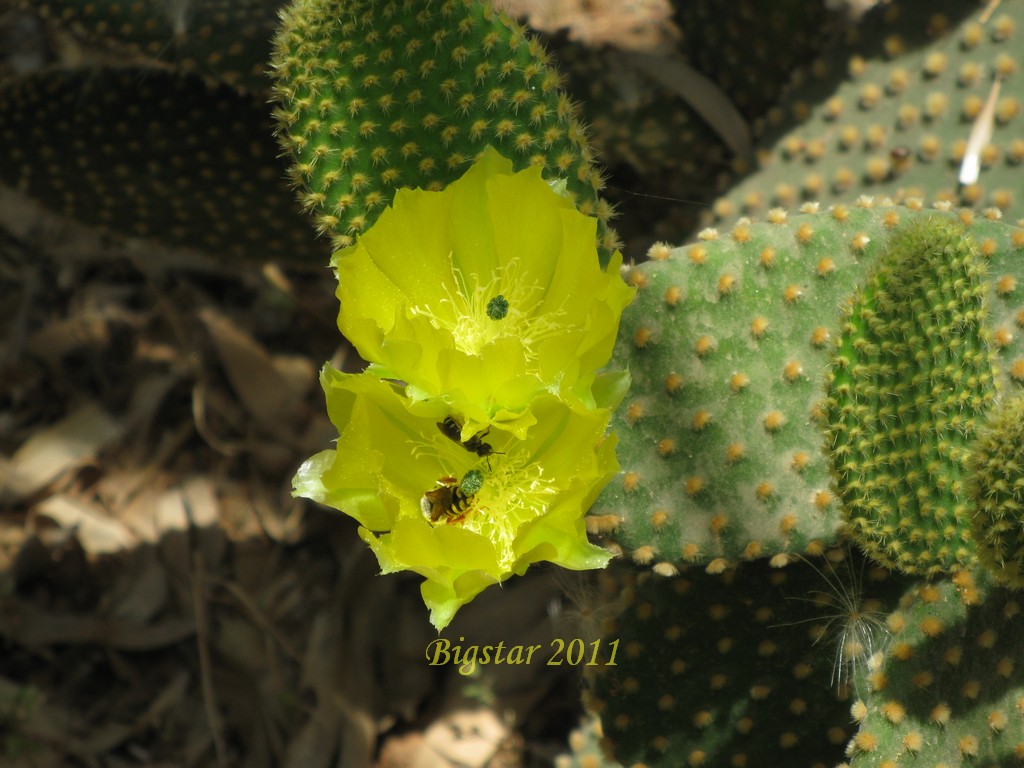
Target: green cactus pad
[(889, 111), (721, 437), (585, 750), (908, 386), (643, 114), (223, 40), (948, 689), (148, 154), (996, 491), (379, 95), (736, 669)]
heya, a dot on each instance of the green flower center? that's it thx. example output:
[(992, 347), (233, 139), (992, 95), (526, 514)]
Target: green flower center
[(469, 308), (497, 308), (512, 494), (472, 482), (494, 501)]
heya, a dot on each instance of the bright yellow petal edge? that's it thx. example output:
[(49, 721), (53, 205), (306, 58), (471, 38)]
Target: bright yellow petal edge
[(475, 442), (416, 291), (393, 468)]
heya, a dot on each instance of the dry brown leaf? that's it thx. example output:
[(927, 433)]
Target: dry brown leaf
[(204, 514), (89, 327), (97, 532), (144, 589), (267, 395), (25, 624), (329, 660), (195, 505), (639, 25), (315, 744), (138, 510), (297, 371), (468, 738), (185, 512), (71, 442), (102, 737)]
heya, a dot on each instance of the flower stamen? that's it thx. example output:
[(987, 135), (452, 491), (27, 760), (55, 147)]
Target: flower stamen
[(468, 312), (521, 492), (497, 308)]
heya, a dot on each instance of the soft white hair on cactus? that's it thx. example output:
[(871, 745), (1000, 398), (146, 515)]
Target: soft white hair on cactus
[(856, 628), (177, 12)]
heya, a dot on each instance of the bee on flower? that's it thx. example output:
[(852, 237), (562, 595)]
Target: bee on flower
[(426, 504), (475, 441)]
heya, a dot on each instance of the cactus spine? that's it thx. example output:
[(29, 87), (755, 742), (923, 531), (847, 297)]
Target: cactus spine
[(378, 95)]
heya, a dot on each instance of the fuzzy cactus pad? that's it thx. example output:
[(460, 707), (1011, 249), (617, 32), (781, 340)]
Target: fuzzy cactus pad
[(908, 387), (375, 96), (722, 436)]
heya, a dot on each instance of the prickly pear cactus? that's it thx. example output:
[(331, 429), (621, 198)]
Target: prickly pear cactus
[(948, 689), (585, 750), (640, 110), (227, 41), (891, 111), (728, 342), (150, 154), (379, 95), (739, 669), (996, 491), (908, 387)]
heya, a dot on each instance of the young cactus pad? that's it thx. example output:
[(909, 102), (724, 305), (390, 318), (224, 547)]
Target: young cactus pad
[(890, 111), (150, 154), (907, 388), (996, 490), (721, 437), (948, 689), (224, 41), (738, 669), (379, 95)]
